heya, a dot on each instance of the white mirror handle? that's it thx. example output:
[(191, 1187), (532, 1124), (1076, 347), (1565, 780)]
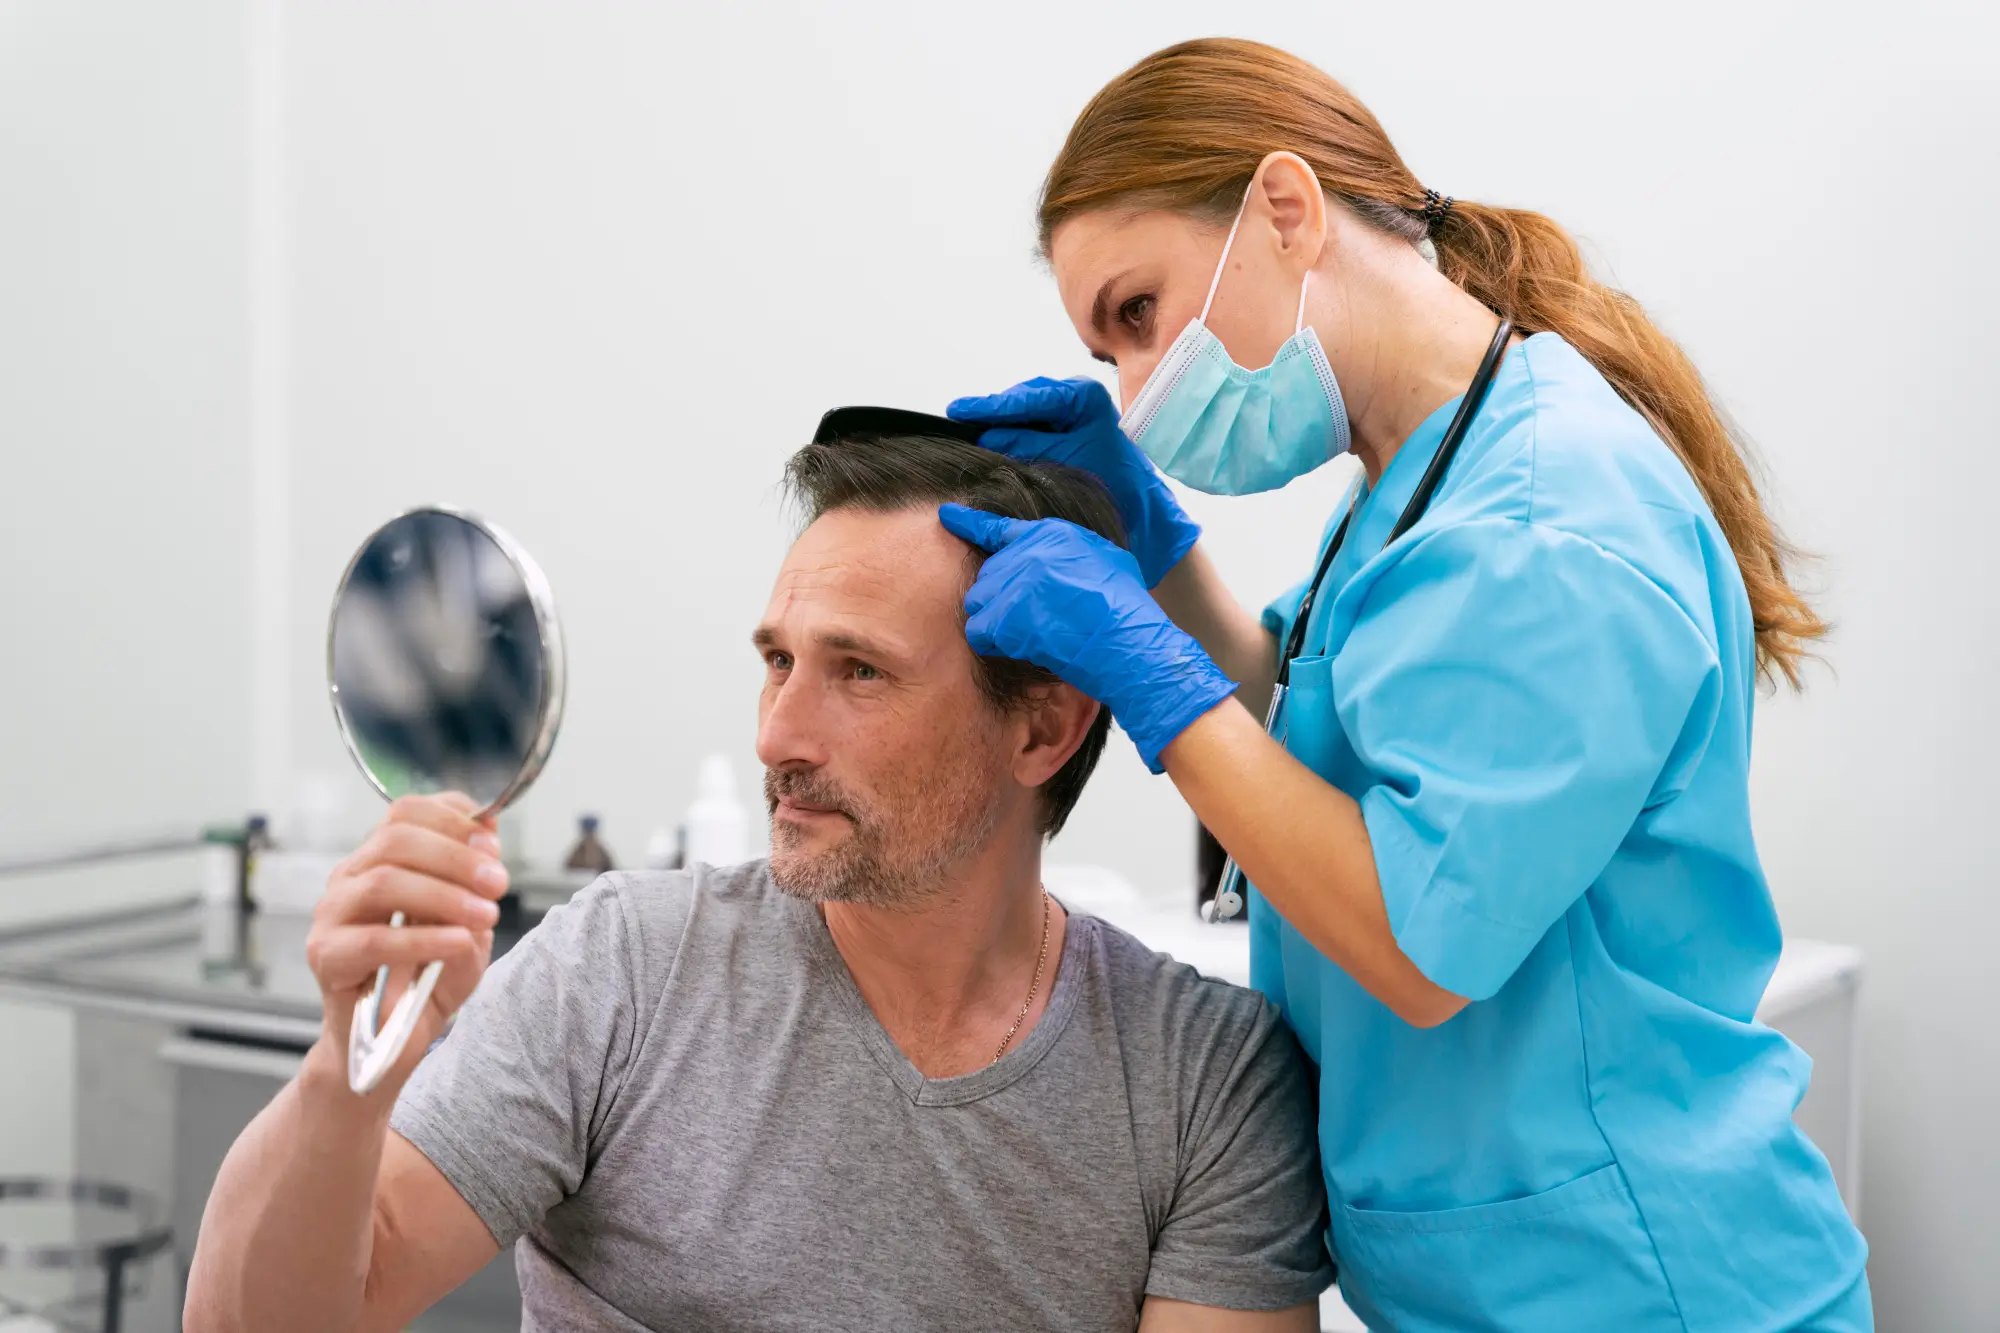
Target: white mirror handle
[(373, 1046)]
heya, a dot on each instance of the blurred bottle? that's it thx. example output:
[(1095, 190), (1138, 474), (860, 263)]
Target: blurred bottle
[(718, 827), (256, 841), (666, 850), (589, 854)]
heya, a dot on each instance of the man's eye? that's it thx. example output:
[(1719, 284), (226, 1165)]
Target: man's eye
[(1135, 313), (778, 661), (862, 671)]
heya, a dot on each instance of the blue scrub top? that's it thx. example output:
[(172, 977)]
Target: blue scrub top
[(1541, 696)]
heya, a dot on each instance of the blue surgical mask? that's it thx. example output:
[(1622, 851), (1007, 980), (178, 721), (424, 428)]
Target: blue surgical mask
[(1210, 424)]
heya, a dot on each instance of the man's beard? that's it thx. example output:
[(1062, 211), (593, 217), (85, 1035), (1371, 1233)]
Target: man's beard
[(901, 845)]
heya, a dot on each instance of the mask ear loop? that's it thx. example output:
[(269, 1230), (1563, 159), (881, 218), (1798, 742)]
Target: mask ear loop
[(1300, 323), (1216, 281)]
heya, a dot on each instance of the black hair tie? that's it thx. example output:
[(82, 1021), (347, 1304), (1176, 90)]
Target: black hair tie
[(1435, 207)]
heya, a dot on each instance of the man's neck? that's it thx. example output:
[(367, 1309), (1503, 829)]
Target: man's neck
[(948, 977)]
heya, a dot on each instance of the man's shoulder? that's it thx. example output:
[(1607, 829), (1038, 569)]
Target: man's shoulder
[(665, 904), (1152, 991), (747, 886)]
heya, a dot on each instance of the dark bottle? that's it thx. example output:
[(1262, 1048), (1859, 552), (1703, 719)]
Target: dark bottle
[(256, 838), (1208, 862), (589, 854)]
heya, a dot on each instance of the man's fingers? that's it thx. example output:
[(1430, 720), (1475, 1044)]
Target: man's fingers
[(475, 868), (377, 894), (346, 957), (461, 975), (449, 814), (989, 532)]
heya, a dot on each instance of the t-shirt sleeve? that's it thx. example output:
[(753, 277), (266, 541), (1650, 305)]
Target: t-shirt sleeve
[(1520, 695), (508, 1103), (1247, 1226)]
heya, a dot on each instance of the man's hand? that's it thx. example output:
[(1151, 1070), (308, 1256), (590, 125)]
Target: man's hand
[(432, 861), (322, 1218)]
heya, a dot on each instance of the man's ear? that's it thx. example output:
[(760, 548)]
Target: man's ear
[(1057, 718)]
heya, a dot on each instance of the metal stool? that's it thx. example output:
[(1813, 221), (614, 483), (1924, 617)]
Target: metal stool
[(114, 1228)]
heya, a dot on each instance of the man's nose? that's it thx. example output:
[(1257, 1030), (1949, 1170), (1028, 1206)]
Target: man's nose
[(789, 730)]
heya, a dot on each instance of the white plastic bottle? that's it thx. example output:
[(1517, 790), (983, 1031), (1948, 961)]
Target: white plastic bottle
[(718, 827), (663, 850)]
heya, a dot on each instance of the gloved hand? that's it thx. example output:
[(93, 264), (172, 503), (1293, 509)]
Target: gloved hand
[(1069, 601), (1078, 425)]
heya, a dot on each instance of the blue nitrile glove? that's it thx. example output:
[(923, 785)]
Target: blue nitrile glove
[(1069, 601), (1074, 422)]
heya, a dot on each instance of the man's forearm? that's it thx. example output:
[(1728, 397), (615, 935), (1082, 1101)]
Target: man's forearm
[(288, 1232)]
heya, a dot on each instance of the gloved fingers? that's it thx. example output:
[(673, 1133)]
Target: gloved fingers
[(989, 532), (1029, 446), (984, 627), (1050, 403)]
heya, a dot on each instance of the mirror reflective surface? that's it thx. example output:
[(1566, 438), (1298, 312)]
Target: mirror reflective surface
[(445, 659), (445, 664)]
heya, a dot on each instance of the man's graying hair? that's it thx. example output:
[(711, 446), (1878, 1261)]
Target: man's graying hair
[(886, 473)]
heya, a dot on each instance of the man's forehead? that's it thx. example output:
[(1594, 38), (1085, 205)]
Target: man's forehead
[(899, 571)]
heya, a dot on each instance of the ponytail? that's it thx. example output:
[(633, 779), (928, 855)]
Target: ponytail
[(1526, 267), (1186, 127)]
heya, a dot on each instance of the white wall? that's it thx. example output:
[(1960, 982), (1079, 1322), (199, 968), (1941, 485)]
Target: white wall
[(595, 269), (122, 662)]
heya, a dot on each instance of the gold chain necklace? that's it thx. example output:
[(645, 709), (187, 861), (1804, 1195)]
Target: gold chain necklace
[(1033, 986)]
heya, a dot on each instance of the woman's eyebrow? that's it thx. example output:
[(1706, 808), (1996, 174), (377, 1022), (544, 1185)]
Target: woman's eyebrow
[(1100, 306)]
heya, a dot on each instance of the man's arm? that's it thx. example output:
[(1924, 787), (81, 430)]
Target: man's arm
[(322, 1218), (1160, 1315), (307, 1223), (1243, 1245)]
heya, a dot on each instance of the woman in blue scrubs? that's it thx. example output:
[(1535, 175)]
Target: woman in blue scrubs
[(1505, 885)]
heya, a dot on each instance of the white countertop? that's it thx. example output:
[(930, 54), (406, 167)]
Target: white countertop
[(1807, 969)]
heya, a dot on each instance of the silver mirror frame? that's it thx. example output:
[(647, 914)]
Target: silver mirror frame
[(547, 627), (373, 1045)]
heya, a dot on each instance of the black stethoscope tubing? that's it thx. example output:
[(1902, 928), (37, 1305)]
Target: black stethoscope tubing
[(1420, 500), (1228, 900)]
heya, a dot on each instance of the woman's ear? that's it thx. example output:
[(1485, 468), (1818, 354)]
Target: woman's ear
[(1056, 718), (1289, 199)]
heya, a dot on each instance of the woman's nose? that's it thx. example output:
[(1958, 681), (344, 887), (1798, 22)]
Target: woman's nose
[(1132, 378)]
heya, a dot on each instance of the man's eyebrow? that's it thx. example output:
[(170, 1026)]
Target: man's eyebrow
[(841, 641), (766, 636)]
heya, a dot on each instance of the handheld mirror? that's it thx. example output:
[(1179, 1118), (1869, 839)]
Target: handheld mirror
[(445, 665)]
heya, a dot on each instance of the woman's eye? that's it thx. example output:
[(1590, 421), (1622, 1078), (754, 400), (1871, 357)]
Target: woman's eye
[(1135, 313)]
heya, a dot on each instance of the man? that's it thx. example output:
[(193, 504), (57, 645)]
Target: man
[(880, 1082)]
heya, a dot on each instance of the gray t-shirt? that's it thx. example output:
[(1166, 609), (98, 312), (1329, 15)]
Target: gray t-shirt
[(672, 1094)]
